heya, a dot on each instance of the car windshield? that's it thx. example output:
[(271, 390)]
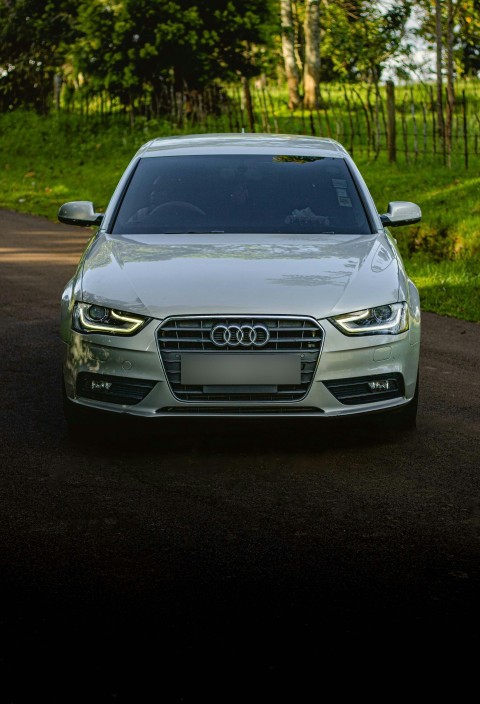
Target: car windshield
[(241, 194)]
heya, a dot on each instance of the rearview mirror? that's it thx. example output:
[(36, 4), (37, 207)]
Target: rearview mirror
[(79, 212), (401, 212)]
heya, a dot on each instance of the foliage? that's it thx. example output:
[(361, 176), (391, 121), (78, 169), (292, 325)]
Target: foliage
[(359, 37), (466, 32), (450, 287), (33, 42), (135, 53), (128, 47)]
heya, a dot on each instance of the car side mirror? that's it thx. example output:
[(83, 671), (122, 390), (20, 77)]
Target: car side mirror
[(401, 212), (79, 212)]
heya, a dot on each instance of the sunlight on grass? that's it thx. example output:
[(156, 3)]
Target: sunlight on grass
[(448, 288)]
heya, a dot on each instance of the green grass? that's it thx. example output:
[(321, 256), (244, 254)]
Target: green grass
[(448, 287), (45, 162)]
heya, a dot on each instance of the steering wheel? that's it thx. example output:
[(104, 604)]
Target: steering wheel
[(173, 206)]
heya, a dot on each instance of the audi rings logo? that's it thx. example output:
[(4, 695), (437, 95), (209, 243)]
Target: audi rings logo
[(240, 335)]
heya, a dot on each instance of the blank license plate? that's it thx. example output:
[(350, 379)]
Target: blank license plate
[(240, 369)]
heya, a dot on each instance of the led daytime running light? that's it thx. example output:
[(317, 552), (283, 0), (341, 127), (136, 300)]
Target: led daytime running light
[(356, 323), (132, 323), (136, 322), (353, 317)]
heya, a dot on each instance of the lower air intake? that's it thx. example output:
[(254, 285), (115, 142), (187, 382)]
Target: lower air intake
[(367, 389), (112, 389)]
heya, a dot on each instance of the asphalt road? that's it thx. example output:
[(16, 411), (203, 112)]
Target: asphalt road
[(229, 559)]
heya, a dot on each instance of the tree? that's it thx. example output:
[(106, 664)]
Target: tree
[(450, 79), (359, 37), (311, 70), (467, 48), (34, 39), (288, 49), (130, 48), (188, 43), (459, 26), (439, 62), (453, 27)]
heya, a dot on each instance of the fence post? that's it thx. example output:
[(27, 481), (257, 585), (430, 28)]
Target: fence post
[(391, 124), (465, 128), (414, 122), (248, 103)]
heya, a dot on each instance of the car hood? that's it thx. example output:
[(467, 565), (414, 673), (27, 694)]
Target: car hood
[(172, 274)]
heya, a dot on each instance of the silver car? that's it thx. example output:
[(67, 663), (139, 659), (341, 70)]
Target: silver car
[(241, 275)]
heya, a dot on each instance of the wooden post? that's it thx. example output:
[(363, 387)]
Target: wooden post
[(465, 129), (414, 122), (377, 122), (434, 128), (240, 109), (367, 120), (350, 120), (274, 115), (327, 120), (404, 127), (424, 111), (57, 87), (265, 107), (248, 103), (391, 124)]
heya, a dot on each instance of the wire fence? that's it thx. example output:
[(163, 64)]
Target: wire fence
[(402, 123)]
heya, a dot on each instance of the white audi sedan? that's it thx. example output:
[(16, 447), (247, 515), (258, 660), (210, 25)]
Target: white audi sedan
[(241, 275)]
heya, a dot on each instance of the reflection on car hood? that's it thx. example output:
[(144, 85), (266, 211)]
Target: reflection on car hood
[(187, 274)]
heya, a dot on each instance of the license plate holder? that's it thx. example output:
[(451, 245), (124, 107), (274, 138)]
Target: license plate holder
[(239, 369)]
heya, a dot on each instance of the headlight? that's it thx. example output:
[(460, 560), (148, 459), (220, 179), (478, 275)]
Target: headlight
[(88, 317), (390, 319)]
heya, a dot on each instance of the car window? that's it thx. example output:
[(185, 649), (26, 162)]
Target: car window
[(242, 193)]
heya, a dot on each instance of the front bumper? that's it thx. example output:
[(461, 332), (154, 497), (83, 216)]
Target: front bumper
[(342, 357)]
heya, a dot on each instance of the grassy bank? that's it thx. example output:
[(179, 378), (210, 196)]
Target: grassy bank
[(45, 162)]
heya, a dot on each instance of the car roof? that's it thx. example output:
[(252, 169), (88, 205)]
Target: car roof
[(234, 143)]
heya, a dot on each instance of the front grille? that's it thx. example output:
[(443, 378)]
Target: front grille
[(357, 391), (287, 336)]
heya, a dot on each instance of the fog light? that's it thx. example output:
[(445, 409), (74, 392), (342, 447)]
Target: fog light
[(100, 385), (382, 385)]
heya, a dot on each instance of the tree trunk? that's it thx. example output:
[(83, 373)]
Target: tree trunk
[(311, 74), (288, 50), (450, 88), (391, 124), (439, 47), (248, 103)]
